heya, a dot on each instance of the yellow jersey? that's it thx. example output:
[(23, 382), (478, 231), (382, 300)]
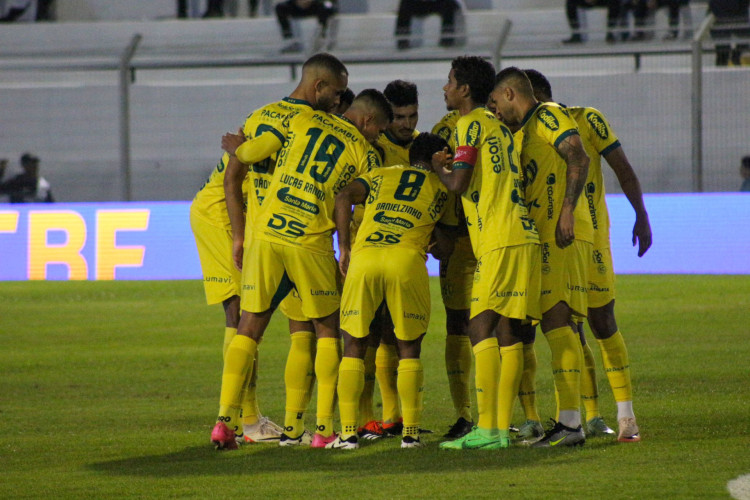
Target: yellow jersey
[(393, 153), (598, 140), (321, 154), (444, 128), (494, 204), (543, 128), (403, 205), (210, 203)]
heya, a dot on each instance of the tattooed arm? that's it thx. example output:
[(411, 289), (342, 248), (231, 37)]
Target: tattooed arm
[(571, 150)]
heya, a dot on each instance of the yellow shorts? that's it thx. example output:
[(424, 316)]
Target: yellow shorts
[(221, 279), (508, 281), (601, 277), (270, 271), (457, 275), (291, 307), (398, 277), (565, 276)]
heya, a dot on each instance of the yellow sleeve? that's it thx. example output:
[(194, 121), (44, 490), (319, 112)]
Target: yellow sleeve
[(260, 147)]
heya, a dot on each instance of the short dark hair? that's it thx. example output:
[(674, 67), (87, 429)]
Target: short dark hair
[(347, 97), (424, 146), (401, 93), (375, 98), (746, 161), (478, 74), (539, 82), (518, 78), (327, 61), (29, 158)]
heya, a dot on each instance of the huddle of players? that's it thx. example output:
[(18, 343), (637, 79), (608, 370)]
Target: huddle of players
[(303, 169)]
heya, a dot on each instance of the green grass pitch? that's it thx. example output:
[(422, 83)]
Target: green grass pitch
[(110, 390)]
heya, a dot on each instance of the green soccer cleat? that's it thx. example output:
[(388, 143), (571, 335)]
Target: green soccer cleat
[(476, 440), (596, 427)]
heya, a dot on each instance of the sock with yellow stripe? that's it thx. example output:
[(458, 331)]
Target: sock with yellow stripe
[(299, 373), (326, 371), (366, 410), (511, 368), (487, 378), (527, 386), (589, 390), (411, 391), (617, 367), (386, 372), (237, 365), (567, 360), (350, 384), (458, 367)]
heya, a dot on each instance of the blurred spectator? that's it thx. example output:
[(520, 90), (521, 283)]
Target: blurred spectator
[(18, 10), (732, 18), (28, 187), (45, 10), (745, 173), (407, 9), (644, 12), (293, 9), (571, 11)]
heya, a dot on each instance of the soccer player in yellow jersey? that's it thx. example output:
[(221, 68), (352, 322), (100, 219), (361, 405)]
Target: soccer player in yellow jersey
[(555, 166), (381, 359), (456, 280), (486, 172), (291, 245), (599, 141), (387, 263), (210, 221)]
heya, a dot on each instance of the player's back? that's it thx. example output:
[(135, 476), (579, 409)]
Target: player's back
[(209, 202), (545, 171), (322, 153), (403, 205), (598, 140)]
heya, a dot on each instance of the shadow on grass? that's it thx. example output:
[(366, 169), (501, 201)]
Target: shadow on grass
[(385, 457)]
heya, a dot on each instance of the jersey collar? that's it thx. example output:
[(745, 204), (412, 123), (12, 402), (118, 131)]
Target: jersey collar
[(397, 142), (531, 112), (292, 100)]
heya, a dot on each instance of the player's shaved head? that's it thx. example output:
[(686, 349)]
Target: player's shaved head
[(424, 146), (373, 101), (540, 85), (516, 79), (323, 65)]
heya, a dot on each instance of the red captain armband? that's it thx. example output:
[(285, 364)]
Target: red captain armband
[(465, 154)]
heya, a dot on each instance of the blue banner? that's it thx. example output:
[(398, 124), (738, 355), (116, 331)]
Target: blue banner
[(693, 234)]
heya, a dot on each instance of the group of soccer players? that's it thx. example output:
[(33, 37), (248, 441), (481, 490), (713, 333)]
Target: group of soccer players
[(493, 193)]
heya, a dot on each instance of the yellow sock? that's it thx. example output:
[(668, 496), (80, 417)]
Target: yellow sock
[(386, 371), (411, 391), (366, 410), (527, 386), (511, 369), (458, 367), (566, 366), (250, 410), (229, 334), (617, 366), (298, 378), (351, 382), (487, 377), (589, 390), (238, 363), (327, 372)]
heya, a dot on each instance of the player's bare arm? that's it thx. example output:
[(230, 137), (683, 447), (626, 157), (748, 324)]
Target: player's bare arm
[(631, 186), (456, 180), (230, 142), (353, 194), (233, 176), (577, 161), (442, 241)]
